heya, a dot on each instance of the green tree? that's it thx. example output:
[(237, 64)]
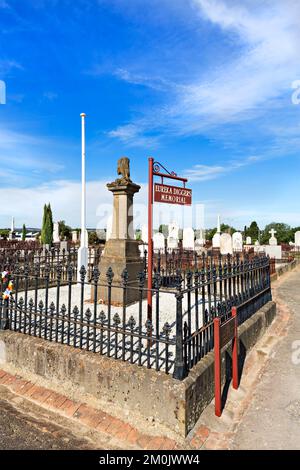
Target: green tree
[(47, 228), (253, 231), (4, 233), (65, 231), (93, 238), (284, 233), (24, 232)]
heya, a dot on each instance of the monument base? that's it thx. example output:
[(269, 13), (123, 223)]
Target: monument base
[(118, 255)]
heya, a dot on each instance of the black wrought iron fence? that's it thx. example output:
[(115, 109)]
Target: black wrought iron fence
[(173, 339), (41, 260)]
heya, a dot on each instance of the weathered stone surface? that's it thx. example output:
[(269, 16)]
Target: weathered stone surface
[(151, 395), (121, 249)]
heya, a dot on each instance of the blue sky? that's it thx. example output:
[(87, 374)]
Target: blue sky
[(204, 86)]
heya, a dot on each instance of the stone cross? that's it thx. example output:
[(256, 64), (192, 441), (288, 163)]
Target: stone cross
[(272, 233)]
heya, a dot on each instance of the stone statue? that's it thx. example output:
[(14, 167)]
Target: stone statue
[(123, 170)]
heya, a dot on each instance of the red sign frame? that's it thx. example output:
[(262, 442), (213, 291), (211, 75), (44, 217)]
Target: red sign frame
[(172, 194), (222, 335), (155, 169)]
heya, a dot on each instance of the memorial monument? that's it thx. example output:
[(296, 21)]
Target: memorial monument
[(121, 250)]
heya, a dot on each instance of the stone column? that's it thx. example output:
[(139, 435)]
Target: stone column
[(121, 250)]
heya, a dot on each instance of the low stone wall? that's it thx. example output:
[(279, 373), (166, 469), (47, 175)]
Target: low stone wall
[(151, 395), (284, 269)]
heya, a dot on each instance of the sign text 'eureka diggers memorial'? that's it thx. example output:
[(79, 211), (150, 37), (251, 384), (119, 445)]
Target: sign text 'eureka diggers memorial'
[(172, 194)]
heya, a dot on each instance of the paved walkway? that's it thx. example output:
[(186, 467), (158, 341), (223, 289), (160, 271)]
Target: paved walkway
[(273, 417)]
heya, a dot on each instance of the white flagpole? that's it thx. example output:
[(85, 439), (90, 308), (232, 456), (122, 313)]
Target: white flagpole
[(83, 250)]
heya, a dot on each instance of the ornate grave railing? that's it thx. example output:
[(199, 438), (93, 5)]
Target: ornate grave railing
[(173, 340), (40, 260)]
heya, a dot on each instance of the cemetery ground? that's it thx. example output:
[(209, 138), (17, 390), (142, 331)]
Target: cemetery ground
[(262, 414)]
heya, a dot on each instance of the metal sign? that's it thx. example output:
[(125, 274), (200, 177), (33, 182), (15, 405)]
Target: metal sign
[(172, 194), (161, 193), (227, 332)]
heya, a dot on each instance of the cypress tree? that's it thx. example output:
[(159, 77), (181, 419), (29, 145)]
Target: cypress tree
[(49, 226), (24, 232), (47, 229)]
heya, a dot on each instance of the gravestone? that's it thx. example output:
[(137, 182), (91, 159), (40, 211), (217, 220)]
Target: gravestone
[(273, 239), (216, 240), (63, 246), (158, 242), (121, 249), (74, 236), (56, 237), (226, 244), (297, 238), (12, 233), (173, 236), (200, 242), (248, 240), (237, 241), (188, 241), (274, 251), (257, 247)]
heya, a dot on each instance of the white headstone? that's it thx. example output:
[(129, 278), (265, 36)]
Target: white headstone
[(188, 241), (74, 236), (173, 236), (274, 251), (63, 246), (201, 240), (173, 230), (226, 244), (216, 240), (297, 238), (158, 241), (248, 241), (56, 238), (237, 241), (172, 243), (273, 239), (109, 227), (145, 233)]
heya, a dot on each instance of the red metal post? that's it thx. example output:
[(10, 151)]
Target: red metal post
[(217, 348), (150, 239), (235, 370)]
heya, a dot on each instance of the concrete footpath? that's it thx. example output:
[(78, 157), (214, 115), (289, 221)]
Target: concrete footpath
[(264, 413), (272, 420)]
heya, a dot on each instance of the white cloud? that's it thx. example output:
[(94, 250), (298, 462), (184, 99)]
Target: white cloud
[(266, 38), (6, 65), (50, 95), (26, 204), (24, 155), (269, 37), (131, 135), (209, 172)]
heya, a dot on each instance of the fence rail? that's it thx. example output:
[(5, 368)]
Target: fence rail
[(177, 335)]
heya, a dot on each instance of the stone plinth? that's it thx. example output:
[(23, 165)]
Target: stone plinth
[(121, 250)]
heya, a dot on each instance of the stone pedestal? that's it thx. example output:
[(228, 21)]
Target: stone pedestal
[(121, 250)]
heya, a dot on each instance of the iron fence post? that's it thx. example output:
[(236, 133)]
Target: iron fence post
[(180, 368)]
